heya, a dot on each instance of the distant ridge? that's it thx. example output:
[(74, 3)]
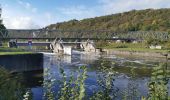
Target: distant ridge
[(135, 20)]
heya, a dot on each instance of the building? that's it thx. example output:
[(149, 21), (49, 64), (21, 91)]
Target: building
[(0, 14)]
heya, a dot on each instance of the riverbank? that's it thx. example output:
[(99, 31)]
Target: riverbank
[(137, 52), (13, 51)]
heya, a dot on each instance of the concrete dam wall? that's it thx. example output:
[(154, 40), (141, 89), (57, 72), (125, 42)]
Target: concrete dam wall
[(23, 62)]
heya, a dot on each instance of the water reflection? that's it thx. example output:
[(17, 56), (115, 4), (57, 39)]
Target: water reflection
[(122, 67), (32, 79), (126, 78)]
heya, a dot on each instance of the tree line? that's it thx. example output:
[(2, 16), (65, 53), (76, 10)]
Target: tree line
[(135, 20)]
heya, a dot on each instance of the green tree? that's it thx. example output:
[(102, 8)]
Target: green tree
[(3, 31)]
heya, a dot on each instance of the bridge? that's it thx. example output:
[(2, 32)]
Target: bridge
[(61, 37), (44, 43), (44, 34), (72, 39)]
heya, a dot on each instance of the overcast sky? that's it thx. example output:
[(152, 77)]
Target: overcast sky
[(31, 14)]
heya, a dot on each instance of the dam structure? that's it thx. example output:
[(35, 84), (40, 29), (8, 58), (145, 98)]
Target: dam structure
[(64, 47)]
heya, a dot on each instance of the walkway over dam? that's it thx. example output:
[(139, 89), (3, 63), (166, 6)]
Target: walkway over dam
[(44, 34), (60, 41), (44, 43), (58, 46)]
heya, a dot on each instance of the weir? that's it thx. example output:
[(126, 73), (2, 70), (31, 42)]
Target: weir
[(60, 47)]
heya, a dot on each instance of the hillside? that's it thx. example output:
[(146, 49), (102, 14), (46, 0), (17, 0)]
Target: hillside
[(135, 20)]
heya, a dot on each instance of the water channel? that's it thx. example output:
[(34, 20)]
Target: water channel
[(124, 69)]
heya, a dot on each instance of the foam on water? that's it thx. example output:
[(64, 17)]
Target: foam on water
[(48, 53)]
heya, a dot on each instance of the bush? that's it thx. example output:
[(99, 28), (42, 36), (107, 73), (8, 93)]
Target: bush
[(153, 42), (10, 88)]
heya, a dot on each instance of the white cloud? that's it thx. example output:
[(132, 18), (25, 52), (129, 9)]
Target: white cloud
[(22, 22), (27, 6), (17, 19), (116, 6)]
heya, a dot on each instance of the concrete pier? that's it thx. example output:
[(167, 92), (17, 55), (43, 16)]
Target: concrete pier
[(60, 48), (88, 46), (68, 50)]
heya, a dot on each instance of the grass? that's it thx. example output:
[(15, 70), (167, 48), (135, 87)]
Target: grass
[(138, 47), (142, 50), (6, 49), (12, 51)]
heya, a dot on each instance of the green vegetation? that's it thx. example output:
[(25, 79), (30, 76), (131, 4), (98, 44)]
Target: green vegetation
[(10, 88), (158, 86), (3, 31), (106, 77), (12, 51), (6, 49), (145, 21), (73, 88), (141, 47)]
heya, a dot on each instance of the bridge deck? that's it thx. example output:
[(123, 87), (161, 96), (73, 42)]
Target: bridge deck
[(50, 38), (44, 43)]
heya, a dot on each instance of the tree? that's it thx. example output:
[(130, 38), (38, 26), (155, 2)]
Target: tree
[(3, 31)]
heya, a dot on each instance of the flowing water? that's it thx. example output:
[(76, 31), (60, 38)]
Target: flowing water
[(124, 68)]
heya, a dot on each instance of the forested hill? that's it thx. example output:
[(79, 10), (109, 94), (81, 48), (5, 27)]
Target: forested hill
[(135, 20)]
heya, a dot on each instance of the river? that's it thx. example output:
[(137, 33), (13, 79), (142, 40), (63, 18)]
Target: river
[(122, 78), (129, 73)]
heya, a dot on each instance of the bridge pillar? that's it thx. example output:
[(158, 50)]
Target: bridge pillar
[(56, 46), (88, 46), (78, 44), (67, 50), (59, 48), (48, 46)]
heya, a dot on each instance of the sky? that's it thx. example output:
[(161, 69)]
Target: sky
[(34, 14)]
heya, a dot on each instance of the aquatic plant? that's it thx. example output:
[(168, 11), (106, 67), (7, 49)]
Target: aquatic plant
[(47, 85), (158, 88), (131, 92), (73, 89), (106, 78), (27, 95)]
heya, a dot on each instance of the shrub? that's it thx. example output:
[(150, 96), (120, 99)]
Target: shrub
[(10, 88)]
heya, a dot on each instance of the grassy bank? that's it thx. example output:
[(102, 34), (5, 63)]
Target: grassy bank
[(141, 47), (142, 50), (6, 49), (12, 51)]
